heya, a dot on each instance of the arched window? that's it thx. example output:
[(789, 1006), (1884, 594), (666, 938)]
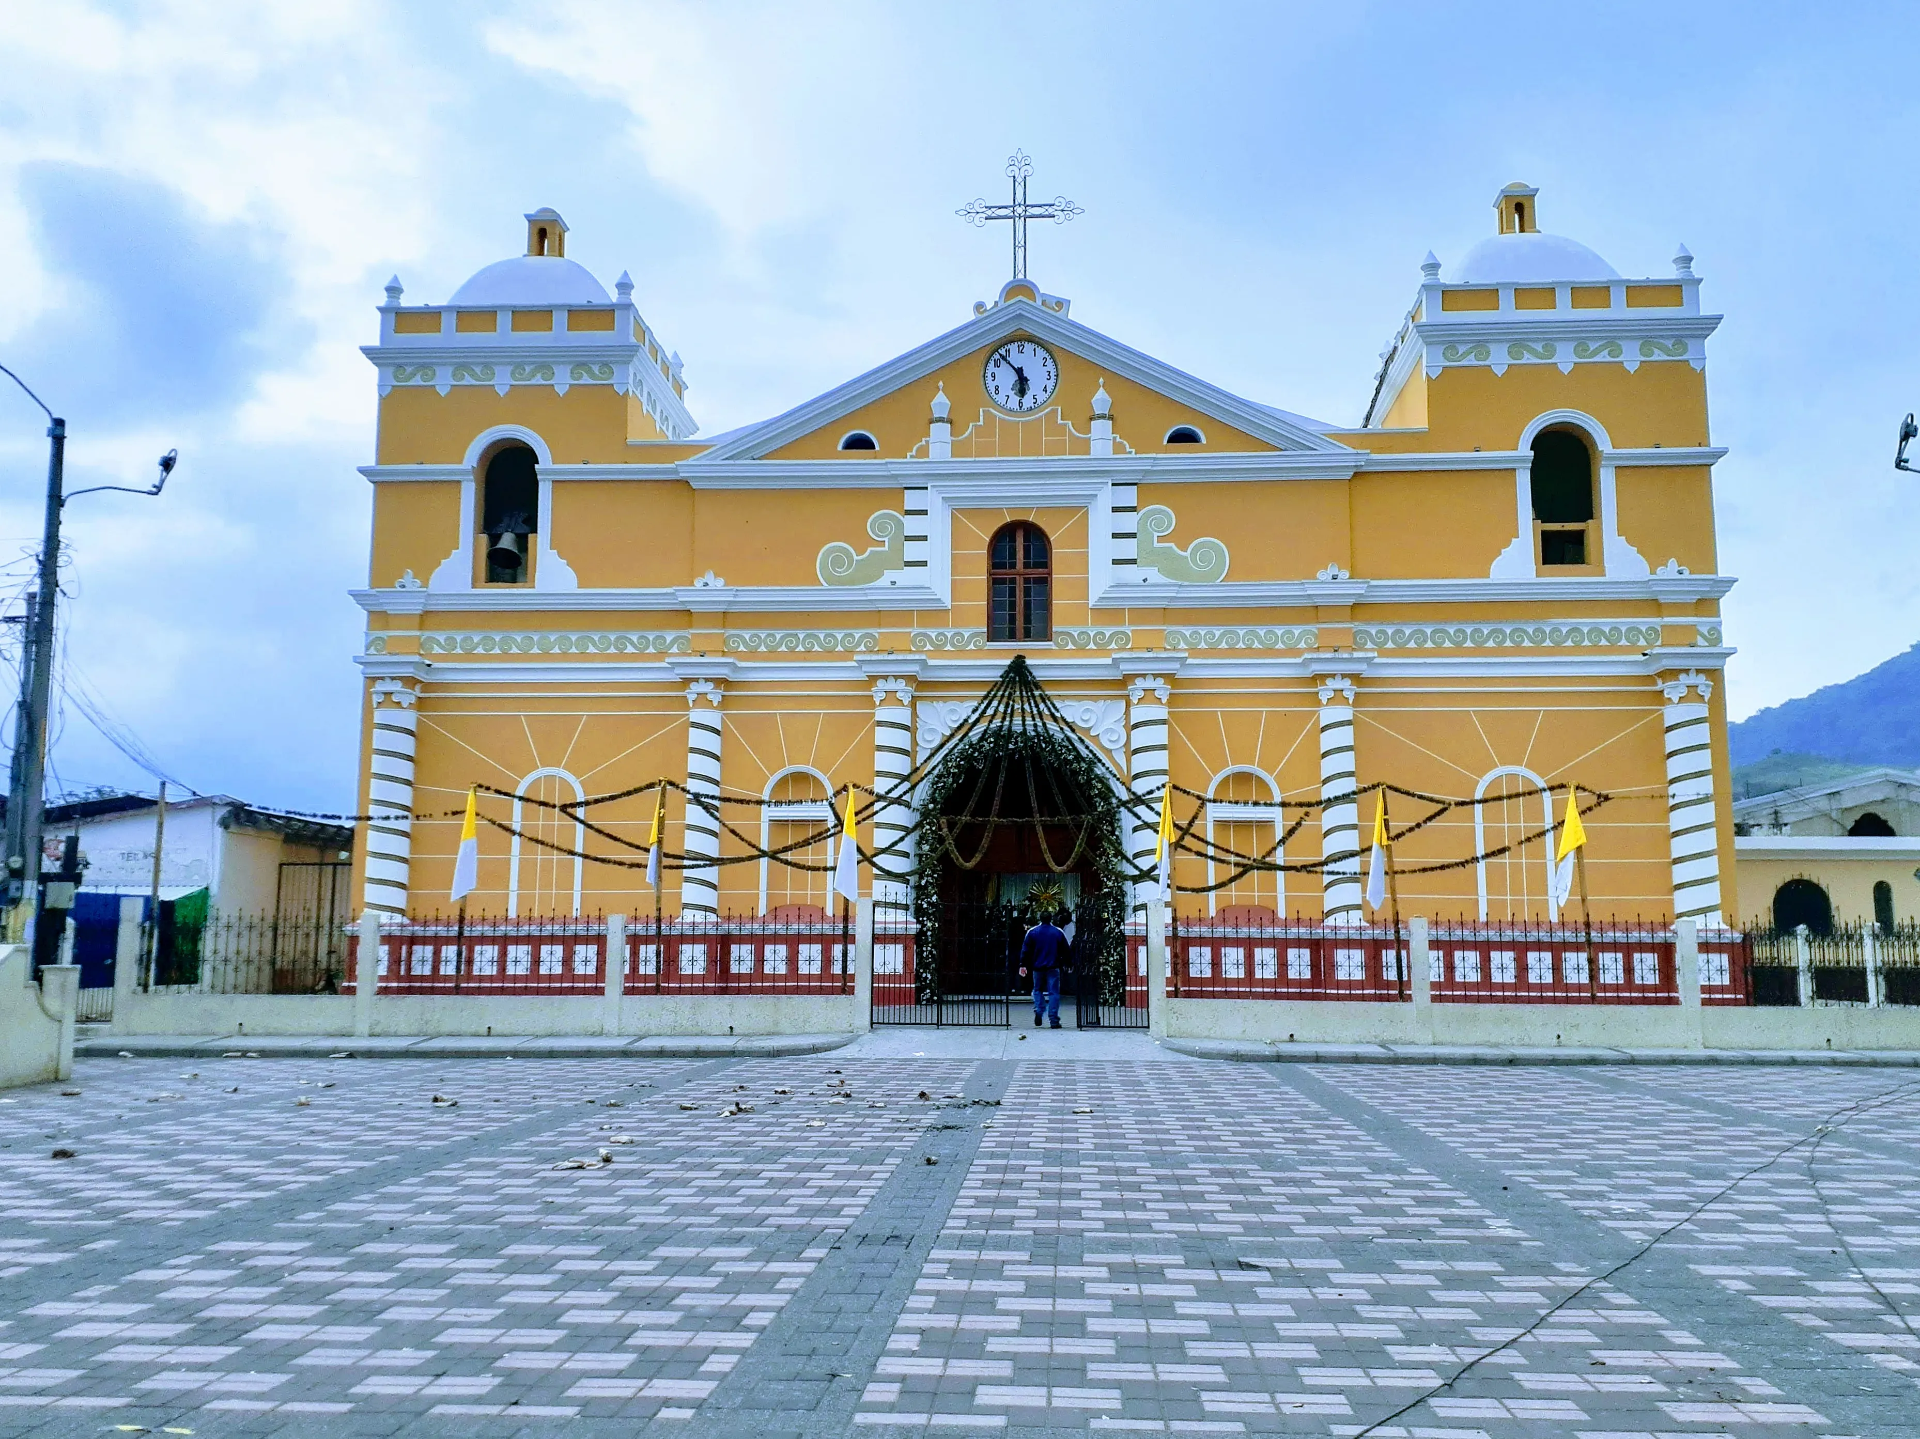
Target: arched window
[(542, 880), (509, 513), (1801, 901), (1243, 817), (1019, 584), (1185, 435), (800, 805), (1562, 473), (858, 440), (1870, 826), (1513, 883), (1883, 919)]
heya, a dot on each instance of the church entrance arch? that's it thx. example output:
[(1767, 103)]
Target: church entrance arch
[(1019, 820)]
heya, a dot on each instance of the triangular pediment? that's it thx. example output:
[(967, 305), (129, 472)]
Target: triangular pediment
[(1149, 399)]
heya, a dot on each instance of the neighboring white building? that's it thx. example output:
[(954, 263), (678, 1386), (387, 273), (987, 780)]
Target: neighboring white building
[(249, 861), (1873, 804)]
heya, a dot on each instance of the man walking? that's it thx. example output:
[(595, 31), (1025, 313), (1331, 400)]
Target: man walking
[(1044, 953)]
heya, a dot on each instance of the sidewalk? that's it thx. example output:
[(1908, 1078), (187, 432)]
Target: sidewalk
[(564, 1046), (1242, 1049)]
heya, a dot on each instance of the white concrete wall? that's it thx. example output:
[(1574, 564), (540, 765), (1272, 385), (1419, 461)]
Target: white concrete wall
[(35, 1045), (1543, 1025), (434, 1015)]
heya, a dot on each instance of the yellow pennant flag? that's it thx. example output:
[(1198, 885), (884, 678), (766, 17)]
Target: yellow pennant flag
[(466, 861), (1163, 842), (1573, 834), (653, 841), (846, 867)]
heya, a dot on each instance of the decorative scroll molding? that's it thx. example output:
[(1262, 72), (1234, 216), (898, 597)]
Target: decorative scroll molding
[(1093, 639), (603, 643), (1554, 633), (1244, 638), (933, 641), (802, 641), (1710, 635), (1676, 688), (840, 564), (934, 720), (1104, 720), (1203, 562)]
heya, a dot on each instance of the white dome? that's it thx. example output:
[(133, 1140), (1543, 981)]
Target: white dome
[(532, 280), (1530, 258)]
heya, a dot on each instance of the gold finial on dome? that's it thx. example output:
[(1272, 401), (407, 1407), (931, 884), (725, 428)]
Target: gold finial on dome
[(546, 233), (1519, 215)]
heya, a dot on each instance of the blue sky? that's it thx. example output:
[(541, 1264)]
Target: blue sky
[(200, 203)]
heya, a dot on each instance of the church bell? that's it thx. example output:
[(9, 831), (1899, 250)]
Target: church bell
[(507, 551)]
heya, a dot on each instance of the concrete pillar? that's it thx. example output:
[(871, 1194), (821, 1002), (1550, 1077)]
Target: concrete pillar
[(390, 798), (1686, 961), (1146, 774), (614, 966), (1875, 979), (1419, 963), (60, 997), (863, 964), (127, 955), (1803, 962), (1156, 968), (892, 763), (366, 973), (1692, 817), (700, 883), (1340, 819)]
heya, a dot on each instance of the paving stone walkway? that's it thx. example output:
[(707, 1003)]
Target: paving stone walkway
[(912, 1241)]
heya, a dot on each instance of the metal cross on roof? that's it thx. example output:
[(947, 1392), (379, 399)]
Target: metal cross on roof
[(1059, 210)]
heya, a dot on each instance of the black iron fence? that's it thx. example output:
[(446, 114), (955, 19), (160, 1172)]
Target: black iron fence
[(1862, 963), (245, 954)]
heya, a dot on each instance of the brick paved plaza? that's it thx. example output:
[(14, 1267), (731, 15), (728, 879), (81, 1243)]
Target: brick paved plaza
[(1147, 1245)]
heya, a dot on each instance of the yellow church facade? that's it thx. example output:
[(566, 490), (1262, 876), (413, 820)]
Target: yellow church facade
[(1501, 582)]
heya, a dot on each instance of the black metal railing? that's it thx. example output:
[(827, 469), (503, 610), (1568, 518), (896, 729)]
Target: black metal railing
[(246, 954)]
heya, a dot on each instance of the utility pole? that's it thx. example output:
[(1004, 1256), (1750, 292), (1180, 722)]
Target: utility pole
[(20, 852)]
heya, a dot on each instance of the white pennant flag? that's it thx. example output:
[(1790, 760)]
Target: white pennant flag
[(846, 867)]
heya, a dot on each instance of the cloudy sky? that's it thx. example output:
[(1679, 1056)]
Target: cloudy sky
[(199, 203)]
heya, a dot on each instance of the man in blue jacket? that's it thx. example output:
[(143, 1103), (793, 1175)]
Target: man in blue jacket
[(1044, 954)]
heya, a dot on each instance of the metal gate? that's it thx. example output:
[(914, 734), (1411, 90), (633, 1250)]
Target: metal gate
[(1107, 995), (966, 972)]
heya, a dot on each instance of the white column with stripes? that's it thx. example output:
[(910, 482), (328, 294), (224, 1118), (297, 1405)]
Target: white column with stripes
[(1146, 772), (396, 720), (893, 813), (1692, 817), (700, 883), (1339, 811)]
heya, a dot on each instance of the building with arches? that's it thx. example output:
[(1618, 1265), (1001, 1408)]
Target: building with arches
[(1501, 576)]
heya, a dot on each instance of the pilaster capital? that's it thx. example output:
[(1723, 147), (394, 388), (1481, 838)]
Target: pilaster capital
[(1336, 690), (1149, 689), (1675, 689), (892, 691), (707, 690), (394, 694)]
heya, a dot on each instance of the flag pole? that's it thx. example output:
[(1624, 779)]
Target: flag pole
[(1393, 896), (459, 943), (1586, 914), (659, 885)]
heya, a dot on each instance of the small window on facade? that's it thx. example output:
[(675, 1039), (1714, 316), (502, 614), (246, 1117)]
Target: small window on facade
[(1562, 497), (1184, 435), (509, 513), (1870, 826), (1883, 906), (1020, 584), (858, 440)]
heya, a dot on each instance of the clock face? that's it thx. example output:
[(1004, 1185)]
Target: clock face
[(1021, 376)]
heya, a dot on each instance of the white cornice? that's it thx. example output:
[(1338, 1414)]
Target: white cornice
[(739, 599), (1459, 325), (1439, 461), (1024, 317)]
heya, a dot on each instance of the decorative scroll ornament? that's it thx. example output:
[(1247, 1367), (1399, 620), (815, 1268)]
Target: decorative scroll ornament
[(1105, 720), (840, 565), (802, 641), (1093, 639), (1243, 638), (1204, 562), (932, 641), (602, 643)]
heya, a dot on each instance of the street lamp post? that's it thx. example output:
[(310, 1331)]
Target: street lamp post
[(1909, 431), (26, 789)]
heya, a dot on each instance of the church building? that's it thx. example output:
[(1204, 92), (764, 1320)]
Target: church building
[(1500, 582)]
